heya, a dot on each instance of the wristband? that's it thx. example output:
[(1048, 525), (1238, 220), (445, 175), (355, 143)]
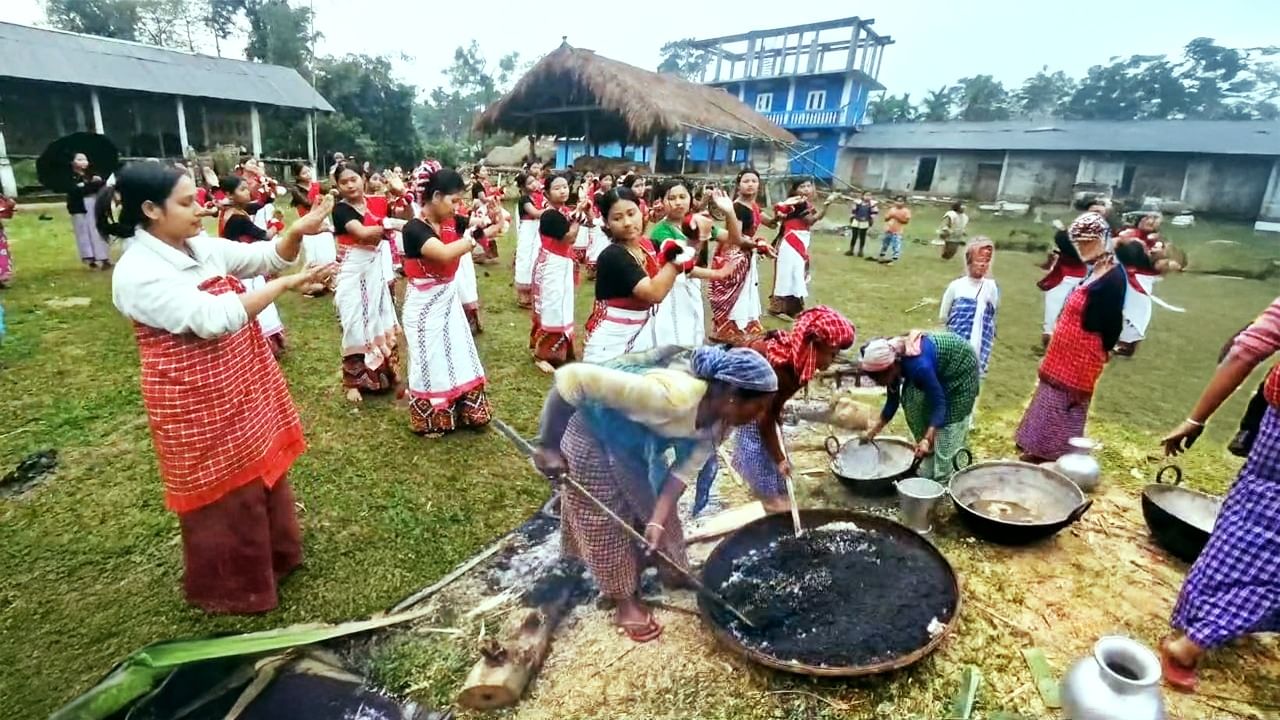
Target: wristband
[(1197, 423)]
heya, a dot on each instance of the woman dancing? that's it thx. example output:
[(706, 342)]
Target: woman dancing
[(235, 222), (791, 273), (365, 306), (81, 205), (554, 280), (532, 203), (633, 278), (735, 299)]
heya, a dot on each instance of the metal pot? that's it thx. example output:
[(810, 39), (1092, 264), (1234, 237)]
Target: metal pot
[(1015, 503), (1180, 519), (1119, 681), (1079, 465), (871, 468)]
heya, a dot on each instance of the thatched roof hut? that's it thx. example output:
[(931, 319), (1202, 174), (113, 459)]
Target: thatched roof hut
[(576, 93)]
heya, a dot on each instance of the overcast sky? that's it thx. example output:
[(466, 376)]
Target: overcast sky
[(937, 41)]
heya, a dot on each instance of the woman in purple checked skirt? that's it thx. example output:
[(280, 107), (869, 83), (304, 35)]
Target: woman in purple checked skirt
[(1233, 588)]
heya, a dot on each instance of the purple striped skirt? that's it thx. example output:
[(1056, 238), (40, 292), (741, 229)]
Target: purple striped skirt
[(1233, 588), (1052, 419), (753, 463)]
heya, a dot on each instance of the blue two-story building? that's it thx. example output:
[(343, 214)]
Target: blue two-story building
[(814, 80)]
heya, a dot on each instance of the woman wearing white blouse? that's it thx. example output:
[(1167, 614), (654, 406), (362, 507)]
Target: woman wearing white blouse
[(224, 426)]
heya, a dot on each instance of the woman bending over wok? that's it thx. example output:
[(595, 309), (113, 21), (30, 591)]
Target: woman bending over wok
[(796, 356), (608, 429), (934, 376)]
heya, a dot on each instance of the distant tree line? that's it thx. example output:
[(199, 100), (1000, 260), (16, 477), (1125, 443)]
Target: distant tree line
[(379, 118), (1207, 82)]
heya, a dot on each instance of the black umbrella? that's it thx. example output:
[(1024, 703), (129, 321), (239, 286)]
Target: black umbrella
[(54, 166)]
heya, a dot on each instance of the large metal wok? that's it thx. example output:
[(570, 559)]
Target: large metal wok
[(1015, 503), (871, 468), (758, 534), (1180, 519)]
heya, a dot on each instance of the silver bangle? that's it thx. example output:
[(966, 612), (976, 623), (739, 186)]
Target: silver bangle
[(1197, 423)]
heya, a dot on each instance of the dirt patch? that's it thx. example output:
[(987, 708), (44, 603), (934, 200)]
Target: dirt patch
[(34, 469)]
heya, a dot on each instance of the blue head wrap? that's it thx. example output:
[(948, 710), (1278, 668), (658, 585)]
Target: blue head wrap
[(740, 367)]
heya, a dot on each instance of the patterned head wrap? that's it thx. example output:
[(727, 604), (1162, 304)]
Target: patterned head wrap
[(740, 367), (797, 347), (1089, 225), (422, 176), (980, 249)]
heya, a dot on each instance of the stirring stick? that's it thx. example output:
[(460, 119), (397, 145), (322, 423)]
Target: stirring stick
[(791, 486)]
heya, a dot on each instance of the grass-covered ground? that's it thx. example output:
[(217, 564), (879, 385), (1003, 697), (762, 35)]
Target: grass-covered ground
[(90, 561)]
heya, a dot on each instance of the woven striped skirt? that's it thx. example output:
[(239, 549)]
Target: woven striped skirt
[(752, 461), (1233, 588), (1052, 419)]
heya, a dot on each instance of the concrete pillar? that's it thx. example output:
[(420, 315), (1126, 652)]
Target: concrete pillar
[(875, 73), (719, 61), (742, 92), (59, 125), (204, 126), (750, 58), (1004, 172), (791, 96), (311, 138), (853, 45), (8, 183), (255, 130), (183, 142), (81, 123), (653, 154), (97, 113), (813, 53)]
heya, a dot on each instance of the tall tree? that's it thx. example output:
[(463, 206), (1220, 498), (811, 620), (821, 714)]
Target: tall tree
[(892, 109), (105, 18), (1045, 93), (1139, 87), (938, 105), (444, 117), (1225, 82), (279, 34), (681, 58), (980, 98), (374, 117), (219, 17)]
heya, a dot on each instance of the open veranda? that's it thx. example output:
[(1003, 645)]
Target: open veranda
[(90, 560)]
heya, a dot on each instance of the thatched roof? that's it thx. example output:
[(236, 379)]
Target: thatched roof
[(572, 88)]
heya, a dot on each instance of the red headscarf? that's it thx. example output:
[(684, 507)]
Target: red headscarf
[(795, 347)]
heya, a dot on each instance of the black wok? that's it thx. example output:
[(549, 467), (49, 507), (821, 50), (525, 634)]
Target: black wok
[(871, 468), (1015, 503), (760, 533), (1180, 519)]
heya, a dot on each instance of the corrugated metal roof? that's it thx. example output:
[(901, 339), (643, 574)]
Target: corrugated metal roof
[(1210, 137), (64, 57)]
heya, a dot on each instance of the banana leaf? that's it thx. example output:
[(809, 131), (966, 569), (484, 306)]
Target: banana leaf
[(142, 671)]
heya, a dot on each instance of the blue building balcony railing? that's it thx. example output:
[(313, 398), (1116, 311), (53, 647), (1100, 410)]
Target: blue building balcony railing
[(843, 117)]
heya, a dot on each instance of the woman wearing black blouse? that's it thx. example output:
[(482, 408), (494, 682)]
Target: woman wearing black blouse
[(81, 199), (236, 223)]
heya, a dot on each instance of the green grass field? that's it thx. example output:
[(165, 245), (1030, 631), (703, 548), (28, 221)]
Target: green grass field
[(90, 562)]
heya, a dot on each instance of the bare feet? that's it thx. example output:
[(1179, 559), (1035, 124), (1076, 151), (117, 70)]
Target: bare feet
[(353, 395)]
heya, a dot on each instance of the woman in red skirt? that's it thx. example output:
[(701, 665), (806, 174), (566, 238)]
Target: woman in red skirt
[(224, 426)]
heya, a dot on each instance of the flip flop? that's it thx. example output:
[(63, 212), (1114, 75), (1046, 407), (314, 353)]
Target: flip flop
[(1179, 676), (641, 632)]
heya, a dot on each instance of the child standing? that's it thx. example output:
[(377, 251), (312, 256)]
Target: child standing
[(969, 305), (861, 217), (895, 222)]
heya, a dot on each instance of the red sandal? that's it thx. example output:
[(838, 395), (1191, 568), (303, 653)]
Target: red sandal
[(644, 632), (1180, 677)]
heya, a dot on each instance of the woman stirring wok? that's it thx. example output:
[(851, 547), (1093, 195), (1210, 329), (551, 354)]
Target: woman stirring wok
[(796, 356), (934, 376), (1233, 588), (610, 428)]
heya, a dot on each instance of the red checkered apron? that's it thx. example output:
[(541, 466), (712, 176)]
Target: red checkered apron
[(220, 412)]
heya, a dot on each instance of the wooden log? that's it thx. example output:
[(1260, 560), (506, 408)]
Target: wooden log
[(504, 671)]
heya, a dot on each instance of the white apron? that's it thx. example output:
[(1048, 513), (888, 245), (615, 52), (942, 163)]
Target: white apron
[(320, 249), (465, 279), (553, 294), (1055, 299), (365, 307), (1137, 310), (386, 260), (269, 318), (747, 308), (790, 280), (527, 245), (597, 241), (620, 331), (443, 362), (680, 318)]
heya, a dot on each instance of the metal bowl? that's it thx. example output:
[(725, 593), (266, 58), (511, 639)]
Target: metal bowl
[(1180, 519), (1015, 503), (871, 468), (760, 533)]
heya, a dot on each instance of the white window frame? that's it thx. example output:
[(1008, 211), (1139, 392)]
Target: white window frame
[(764, 102), (821, 104)]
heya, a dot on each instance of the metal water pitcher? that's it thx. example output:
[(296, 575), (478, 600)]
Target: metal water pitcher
[(1080, 465), (1119, 681)]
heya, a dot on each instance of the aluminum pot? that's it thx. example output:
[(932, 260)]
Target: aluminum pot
[(1119, 681), (1015, 503), (1180, 519), (871, 468), (1079, 465)]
